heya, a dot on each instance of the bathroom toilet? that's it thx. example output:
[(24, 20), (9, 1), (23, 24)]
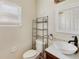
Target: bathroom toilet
[(34, 54), (31, 54)]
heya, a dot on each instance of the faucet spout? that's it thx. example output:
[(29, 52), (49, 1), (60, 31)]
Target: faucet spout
[(70, 41)]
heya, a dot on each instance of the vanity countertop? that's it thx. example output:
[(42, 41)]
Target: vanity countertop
[(60, 55)]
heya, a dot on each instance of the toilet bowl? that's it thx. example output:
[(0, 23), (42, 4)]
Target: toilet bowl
[(34, 54), (31, 54)]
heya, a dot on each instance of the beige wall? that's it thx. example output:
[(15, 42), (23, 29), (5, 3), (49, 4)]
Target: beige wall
[(42, 7), (47, 7), (19, 37)]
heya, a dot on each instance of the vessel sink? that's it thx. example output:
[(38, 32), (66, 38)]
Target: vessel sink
[(65, 47)]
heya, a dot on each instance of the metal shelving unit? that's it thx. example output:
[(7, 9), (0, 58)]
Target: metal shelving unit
[(34, 33), (40, 31)]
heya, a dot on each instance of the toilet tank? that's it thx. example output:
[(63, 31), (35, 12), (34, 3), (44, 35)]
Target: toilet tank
[(39, 45)]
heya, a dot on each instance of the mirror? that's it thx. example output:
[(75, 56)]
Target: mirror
[(67, 19)]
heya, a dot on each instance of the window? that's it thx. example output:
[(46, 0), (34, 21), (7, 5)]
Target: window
[(10, 14)]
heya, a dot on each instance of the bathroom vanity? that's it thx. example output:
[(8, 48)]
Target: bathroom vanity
[(53, 53), (50, 56)]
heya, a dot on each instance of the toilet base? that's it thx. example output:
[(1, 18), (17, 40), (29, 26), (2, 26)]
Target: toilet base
[(36, 57)]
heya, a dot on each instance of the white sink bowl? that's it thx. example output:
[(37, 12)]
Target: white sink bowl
[(65, 47)]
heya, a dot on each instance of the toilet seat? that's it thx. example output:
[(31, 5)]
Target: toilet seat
[(30, 53)]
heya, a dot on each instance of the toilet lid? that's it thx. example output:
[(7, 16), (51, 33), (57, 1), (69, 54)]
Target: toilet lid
[(29, 53)]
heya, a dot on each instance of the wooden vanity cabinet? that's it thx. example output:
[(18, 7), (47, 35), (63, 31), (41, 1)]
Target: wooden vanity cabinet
[(50, 56)]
